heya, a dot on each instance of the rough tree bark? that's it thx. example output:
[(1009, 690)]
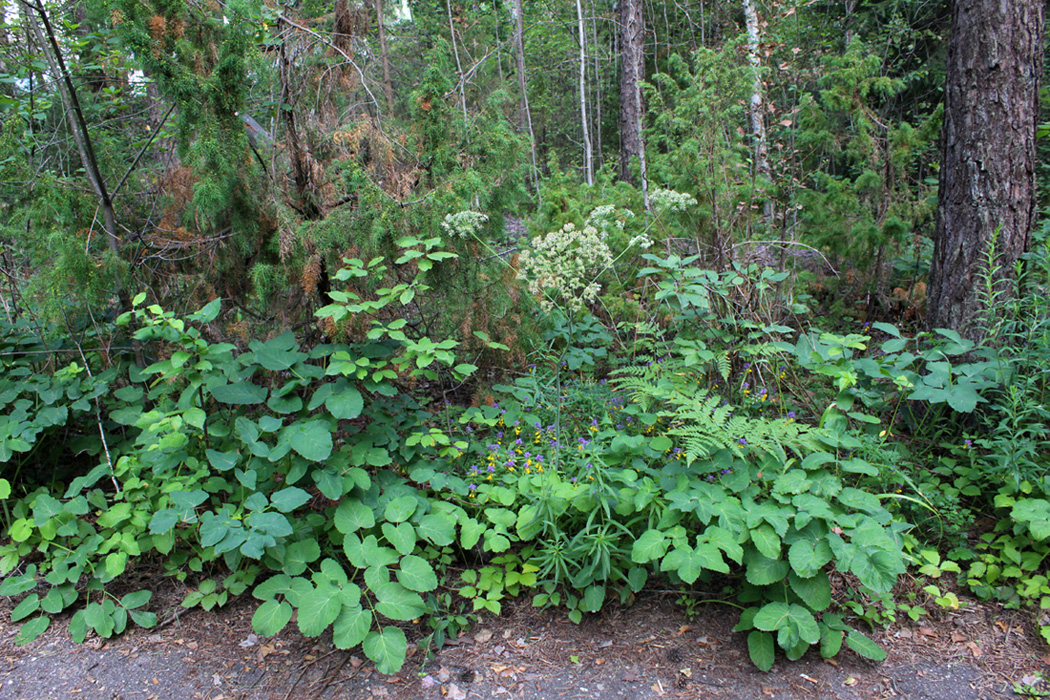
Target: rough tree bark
[(987, 180), (632, 71)]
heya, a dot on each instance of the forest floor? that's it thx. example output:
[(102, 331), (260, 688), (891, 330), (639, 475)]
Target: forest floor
[(650, 650)]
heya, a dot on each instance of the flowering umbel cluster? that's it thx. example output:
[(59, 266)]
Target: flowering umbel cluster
[(463, 223), (671, 200), (563, 266)]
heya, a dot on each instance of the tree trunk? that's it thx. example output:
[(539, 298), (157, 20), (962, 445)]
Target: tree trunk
[(525, 114), (587, 159), (987, 182), (45, 37), (757, 107), (632, 71), (384, 58)]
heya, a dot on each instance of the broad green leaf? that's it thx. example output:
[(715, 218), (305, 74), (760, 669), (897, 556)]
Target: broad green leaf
[(400, 509), (5, 489), (298, 555), (270, 523), (760, 648), (815, 591), (398, 603), (387, 649), (402, 536), (277, 354), (593, 598), (29, 605), (78, 627), (271, 617), (762, 571), (353, 515), (651, 545), (830, 641), (438, 528), (876, 569), (311, 439), (766, 541), (807, 557), (46, 507), (772, 616), (33, 629), (346, 404), (136, 599), (239, 394), (318, 609), (864, 646), (288, 499), (416, 574), (163, 521), (351, 627), (329, 484)]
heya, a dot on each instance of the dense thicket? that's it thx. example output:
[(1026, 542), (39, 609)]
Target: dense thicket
[(390, 311)]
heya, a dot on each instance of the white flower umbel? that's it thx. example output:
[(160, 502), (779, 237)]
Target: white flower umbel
[(671, 200), (563, 266), (463, 223), (607, 217)]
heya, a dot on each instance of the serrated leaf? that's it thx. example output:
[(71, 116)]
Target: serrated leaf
[(651, 545), (318, 609), (353, 515), (760, 649), (351, 627), (815, 591), (271, 617), (402, 536), (387, 649), (593, 598), (400, 509), (416, 574), (398, 603), (438, 528), (762, 571), (807, 557), (766, 541)]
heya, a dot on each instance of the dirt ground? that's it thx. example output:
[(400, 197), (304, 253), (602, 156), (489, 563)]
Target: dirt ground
[(650, 650)]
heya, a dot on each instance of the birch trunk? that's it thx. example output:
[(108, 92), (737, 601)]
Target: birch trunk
[(757, 106), (587, 158)]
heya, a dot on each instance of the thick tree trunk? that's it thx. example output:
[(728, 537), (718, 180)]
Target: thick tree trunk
[(632, 71), (987, 183)]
